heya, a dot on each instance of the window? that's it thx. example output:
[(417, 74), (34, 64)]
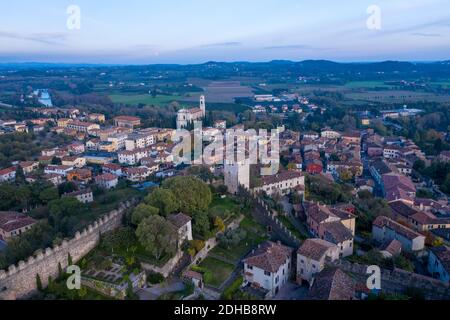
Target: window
[(267, 273), (250, 267)]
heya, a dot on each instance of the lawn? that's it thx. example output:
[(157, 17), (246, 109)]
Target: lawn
[(215, 271), (290, 226), (135, 99), (256, 234), (226, 208)]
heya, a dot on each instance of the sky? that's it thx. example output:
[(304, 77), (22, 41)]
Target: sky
[(196, 31)]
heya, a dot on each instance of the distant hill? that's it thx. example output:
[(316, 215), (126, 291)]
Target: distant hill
[(213, 69)]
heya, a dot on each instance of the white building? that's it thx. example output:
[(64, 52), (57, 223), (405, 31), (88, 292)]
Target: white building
[(268, 267), (282, 183), (84, 196), (8, 174), (107, 180), (183, 225), (58, 169), (330, 134), (132, 157), (139, 141), (119, 140), (311, 257), (187, 116)]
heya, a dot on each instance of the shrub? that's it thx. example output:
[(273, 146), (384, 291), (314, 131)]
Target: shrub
[(154, 278), (232, 289)]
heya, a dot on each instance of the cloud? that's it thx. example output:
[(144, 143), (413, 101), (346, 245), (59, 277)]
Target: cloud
[(421, 34), (222, 44), (295, 47), (288, 46), (55, 38)]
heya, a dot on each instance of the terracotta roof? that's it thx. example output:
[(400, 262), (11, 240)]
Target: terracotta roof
[(127, 118), (7, 171), (112, 166), (10, 221), (332, 284), (282, 176), (269, 256), (192, 275), (179, 220), (336, 232), (315, 248), (400, 208), (394, 247), (105, 177)]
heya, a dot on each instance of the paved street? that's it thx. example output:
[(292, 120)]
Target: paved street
[(156, 291), (292, 291)]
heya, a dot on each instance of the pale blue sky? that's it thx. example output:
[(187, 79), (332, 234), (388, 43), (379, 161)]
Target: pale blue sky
[(192, 31)]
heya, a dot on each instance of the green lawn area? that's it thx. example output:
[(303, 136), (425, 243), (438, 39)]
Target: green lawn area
[(226, 208), (135, 99), (215, 271), (256, 234)]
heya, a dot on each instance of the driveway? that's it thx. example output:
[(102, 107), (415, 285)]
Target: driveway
[(153, 293), (292, 291)]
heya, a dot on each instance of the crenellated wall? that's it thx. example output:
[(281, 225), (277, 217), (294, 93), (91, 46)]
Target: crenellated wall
[(398, 281), (19, 281)]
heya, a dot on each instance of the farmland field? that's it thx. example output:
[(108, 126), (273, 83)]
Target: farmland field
[(223, 91), (397, 96), (134, 99), (367, 84)]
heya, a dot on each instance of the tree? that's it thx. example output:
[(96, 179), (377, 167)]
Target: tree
[(20, 175), (164, 200), (56, 161), (142, 212), (64, 214), (192, 193), (38, 282), (219, 224), (157, 236), (48, 195), (201, 224)]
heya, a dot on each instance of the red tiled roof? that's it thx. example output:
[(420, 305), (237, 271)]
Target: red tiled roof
[(332, 284), (10, 221), (269, 256), (314, 248)]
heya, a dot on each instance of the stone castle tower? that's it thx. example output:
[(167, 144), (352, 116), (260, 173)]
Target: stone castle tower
[(203, 104)]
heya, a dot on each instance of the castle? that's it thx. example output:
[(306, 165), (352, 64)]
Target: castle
[(187, 116)]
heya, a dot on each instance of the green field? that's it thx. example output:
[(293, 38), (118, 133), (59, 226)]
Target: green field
[(256, 234), (367, 84), (216, 270), (135, 99), (443, 84)]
